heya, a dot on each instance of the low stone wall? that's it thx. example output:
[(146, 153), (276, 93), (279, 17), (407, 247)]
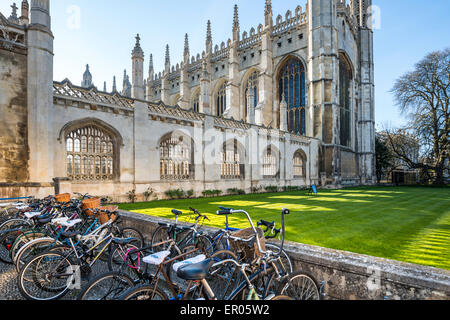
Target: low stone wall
[(348, 276)]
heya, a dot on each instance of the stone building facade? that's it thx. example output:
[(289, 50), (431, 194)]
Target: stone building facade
[(289, 103)]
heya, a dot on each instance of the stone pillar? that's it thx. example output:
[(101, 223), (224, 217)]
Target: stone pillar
[(323, 74), (269, 116), (283, 115), (41, 139), (232, 107), (205, 98), (366, 115)]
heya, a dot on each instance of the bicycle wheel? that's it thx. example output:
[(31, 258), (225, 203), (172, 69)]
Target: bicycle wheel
[(32, 249), (144, 292), (47, 276), (281, 298), (22, 240), (133, 264), (161, 234), (128, 232), (9, 231), (284, 266), (223, 276), (301, 286), (108, 286)]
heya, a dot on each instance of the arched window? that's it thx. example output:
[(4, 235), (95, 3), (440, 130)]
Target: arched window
[(231, 166), (221, 99), (345, 78), (270, 164), (176, 158), (90, 154), (299, 168), (251, 93), (196, 101), (292, 88)]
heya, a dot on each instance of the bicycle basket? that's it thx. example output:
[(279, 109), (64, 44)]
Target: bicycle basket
[(88, 204), (249, 250), (62, 198), (103, 217)]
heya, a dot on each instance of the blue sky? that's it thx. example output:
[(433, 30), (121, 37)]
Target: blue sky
[(105, 36)]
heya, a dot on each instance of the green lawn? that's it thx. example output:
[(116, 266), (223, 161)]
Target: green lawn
[(410, 224)]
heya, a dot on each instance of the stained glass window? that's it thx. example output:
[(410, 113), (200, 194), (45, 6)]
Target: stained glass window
[(292, 88)]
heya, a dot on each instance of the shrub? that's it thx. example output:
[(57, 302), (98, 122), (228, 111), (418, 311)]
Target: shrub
[(211, 193), (132, 195), (190, 193), (271, 188), (175, 194), (233, 191), (256, 189), (148, 193)]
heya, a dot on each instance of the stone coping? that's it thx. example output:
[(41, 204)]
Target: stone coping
[(412, 275)]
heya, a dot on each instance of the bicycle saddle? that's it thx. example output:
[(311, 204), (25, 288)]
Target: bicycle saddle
[(176, 212), (123, 242), (44, 221), (195, 272)]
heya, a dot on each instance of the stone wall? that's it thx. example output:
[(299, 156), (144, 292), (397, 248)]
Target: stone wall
[(13, 119), (348, 276)]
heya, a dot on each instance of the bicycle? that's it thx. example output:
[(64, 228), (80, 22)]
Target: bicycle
[(50, 275)]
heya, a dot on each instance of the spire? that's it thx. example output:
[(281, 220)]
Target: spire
[(126, 91), (236, 28), (186, 45), (209, 42), (268, 14), (137, 51), (87, 78), (114, 88), (151, 70), (208, 32), (167, 64), (186, 49)]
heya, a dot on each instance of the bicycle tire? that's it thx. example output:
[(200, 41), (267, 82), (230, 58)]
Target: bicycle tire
[(144, 292), (121, 283), (22, 240), (301, 286), (7, 238), (287, 265), (30, 250), (39, 261)]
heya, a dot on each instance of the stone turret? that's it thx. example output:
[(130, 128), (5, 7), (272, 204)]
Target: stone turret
[(137, 57), (25, 13), (87, 78), (40, 94), (126, 85)]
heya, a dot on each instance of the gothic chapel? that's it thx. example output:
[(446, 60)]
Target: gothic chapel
[(289, 102)]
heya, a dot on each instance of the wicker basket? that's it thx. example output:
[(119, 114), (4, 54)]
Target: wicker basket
[(62, 198), (90, 205), (248, 250), (103, 217)]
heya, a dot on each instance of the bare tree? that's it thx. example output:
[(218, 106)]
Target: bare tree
[(423, 95)]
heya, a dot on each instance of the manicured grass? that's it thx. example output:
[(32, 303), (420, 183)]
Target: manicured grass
[(410, 224)]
